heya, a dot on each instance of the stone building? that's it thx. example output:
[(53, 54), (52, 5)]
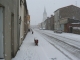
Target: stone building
[(71, 11), (11, 22), (49, 23), (70, 25), (52, 22)]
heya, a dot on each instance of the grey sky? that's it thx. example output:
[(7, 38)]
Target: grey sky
[(36, 8)]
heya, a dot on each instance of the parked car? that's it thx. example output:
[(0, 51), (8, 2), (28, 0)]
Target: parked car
[(57, 31)]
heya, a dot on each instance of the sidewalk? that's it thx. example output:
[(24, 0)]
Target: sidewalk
[(44, 50)]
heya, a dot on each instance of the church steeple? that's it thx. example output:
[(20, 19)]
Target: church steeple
[(44, 14), (44, 18), (45, 11)]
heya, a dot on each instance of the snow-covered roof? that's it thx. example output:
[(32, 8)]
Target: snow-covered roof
[(76, 28), (75, 23)]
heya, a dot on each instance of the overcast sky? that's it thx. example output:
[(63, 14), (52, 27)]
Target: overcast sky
[(36, 8)]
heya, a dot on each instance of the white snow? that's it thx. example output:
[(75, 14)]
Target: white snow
[(75, 23), (73, 39), (44, 50), (67, 35), (76, 28)]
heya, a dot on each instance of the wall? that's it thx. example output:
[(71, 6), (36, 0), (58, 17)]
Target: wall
[(1, 34), (56, 20), (52, 22), (71, 11), (13, 26), (10, 6), (67, 27), (25, 20), (21, 17)]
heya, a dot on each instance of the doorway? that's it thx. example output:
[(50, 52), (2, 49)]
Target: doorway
[(12, 35), (71, 29), (1, 34)]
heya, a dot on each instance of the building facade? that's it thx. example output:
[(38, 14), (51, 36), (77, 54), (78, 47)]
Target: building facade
[(23, 13), (52, 22), (73, 28), (71, 11), (67, 22), (28, 21), (9, 25), (12, 27), (49, 23)]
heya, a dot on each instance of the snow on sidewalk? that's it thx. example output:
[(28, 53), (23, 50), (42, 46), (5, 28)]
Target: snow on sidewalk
[(44, 50), (28, 50)]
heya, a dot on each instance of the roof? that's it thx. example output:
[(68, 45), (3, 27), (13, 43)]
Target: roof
[(67, 6)]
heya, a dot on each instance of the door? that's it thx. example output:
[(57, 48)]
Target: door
[(71, 29), (1, 34), (12, 35), (62, 27)]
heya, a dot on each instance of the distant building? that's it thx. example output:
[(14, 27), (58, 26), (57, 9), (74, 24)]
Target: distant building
[(44, 18), (49, 23), (52, 22), (72, 12)]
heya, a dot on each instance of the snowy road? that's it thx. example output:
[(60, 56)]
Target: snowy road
[(44, 51), (70, 45)]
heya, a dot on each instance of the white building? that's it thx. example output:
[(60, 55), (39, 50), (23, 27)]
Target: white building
[(44, 18)]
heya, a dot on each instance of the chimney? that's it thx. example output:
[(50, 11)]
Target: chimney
[(47, 17), (51, 15)]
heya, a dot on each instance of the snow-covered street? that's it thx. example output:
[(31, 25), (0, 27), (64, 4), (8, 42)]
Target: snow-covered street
[(44, 50), (65, 42)]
